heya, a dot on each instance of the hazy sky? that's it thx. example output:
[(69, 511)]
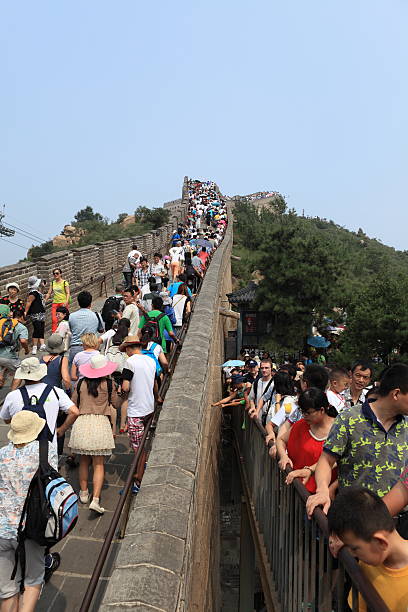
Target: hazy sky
[(112, 103)]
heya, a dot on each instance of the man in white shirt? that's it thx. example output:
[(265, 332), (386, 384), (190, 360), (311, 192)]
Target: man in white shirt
[(158, 270), (139, 382), (131, 310), (32, 371), (131, 262), (259, 388), (176, 258)]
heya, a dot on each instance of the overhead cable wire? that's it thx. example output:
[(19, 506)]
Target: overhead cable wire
[(25, 232), (15, 243)]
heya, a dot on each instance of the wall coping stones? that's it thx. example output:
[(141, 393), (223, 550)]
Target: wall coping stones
[(166, 499)]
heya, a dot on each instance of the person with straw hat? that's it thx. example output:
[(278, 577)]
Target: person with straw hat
[(19, 461), (138, 382), (91, 435), (31, 371)]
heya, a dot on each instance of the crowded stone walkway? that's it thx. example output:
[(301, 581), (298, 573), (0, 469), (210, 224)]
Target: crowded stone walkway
[(125, 340)]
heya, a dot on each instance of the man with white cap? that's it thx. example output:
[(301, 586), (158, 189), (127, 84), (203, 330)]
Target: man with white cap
[(19, 461), (31, 371)]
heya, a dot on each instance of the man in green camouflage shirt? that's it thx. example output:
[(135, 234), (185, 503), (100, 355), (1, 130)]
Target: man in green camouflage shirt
[(369, 442)]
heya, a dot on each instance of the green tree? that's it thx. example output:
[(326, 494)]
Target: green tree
[(155, 217), (121, 216), (38, 251), (377, 321), (87, 214)]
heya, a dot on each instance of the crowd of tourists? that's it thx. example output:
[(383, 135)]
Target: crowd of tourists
[(343, 433), (96, 372)]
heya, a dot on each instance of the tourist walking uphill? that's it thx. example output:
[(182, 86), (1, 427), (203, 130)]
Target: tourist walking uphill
[(86, 373)]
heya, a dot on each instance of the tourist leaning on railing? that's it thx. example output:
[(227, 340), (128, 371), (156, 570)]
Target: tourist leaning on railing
[(303, 445), (369, 442), (361, 519)]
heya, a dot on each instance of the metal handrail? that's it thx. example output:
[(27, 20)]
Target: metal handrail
[(358, 579)]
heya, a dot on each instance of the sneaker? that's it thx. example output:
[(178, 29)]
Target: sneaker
[(55, 560), (43, 347), (84, 497), (34, 350), (94, 505), (135, 489)]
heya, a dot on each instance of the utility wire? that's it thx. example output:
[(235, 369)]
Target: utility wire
[(15, 243), (25, 232)]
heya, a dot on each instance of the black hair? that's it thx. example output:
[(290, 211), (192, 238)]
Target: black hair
[(360, 511), (57, 270), (364, 365), (315, 399), (84, 299), (316, 376), (182, 277), (93, 384), (64, 310), (157, 255), (131, 290), (283, 384), (121, 332), (394, 376), (157, 303), (337, 373), (18, 313)]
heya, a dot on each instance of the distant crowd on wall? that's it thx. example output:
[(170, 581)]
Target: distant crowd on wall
[(99, 371)]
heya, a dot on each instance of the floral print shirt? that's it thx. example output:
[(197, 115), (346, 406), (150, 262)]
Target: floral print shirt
[(17, 468)]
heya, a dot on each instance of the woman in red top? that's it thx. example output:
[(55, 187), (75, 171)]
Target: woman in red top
[(203, 255), (303, 445)]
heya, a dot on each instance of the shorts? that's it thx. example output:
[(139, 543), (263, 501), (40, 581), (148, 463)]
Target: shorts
[(38, 328), (136, 427), (34, 566)]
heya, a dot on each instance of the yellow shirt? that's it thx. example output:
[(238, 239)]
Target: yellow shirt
[(391, 584), (60, 296)]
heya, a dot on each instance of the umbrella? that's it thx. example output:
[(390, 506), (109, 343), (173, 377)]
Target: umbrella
[(233, 363), (318, 341)]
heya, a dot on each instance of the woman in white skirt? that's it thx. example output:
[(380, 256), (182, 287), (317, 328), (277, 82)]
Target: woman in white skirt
[(91, 434)]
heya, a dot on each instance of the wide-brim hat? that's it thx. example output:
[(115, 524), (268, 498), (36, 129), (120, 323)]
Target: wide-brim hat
[(97, 367), (34, 282), (16, 285), (25, 427), (31, 369), (55, 344), (131, 341)]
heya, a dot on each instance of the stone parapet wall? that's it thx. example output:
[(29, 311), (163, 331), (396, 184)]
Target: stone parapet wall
[(87, 266), (169, 558)]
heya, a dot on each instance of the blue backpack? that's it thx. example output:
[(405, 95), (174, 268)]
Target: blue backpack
[(150, 353), (49, 513)]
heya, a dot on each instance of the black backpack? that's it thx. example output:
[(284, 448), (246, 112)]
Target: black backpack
[(38, 407), (151, 327), (112, 303), (49, 513)]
